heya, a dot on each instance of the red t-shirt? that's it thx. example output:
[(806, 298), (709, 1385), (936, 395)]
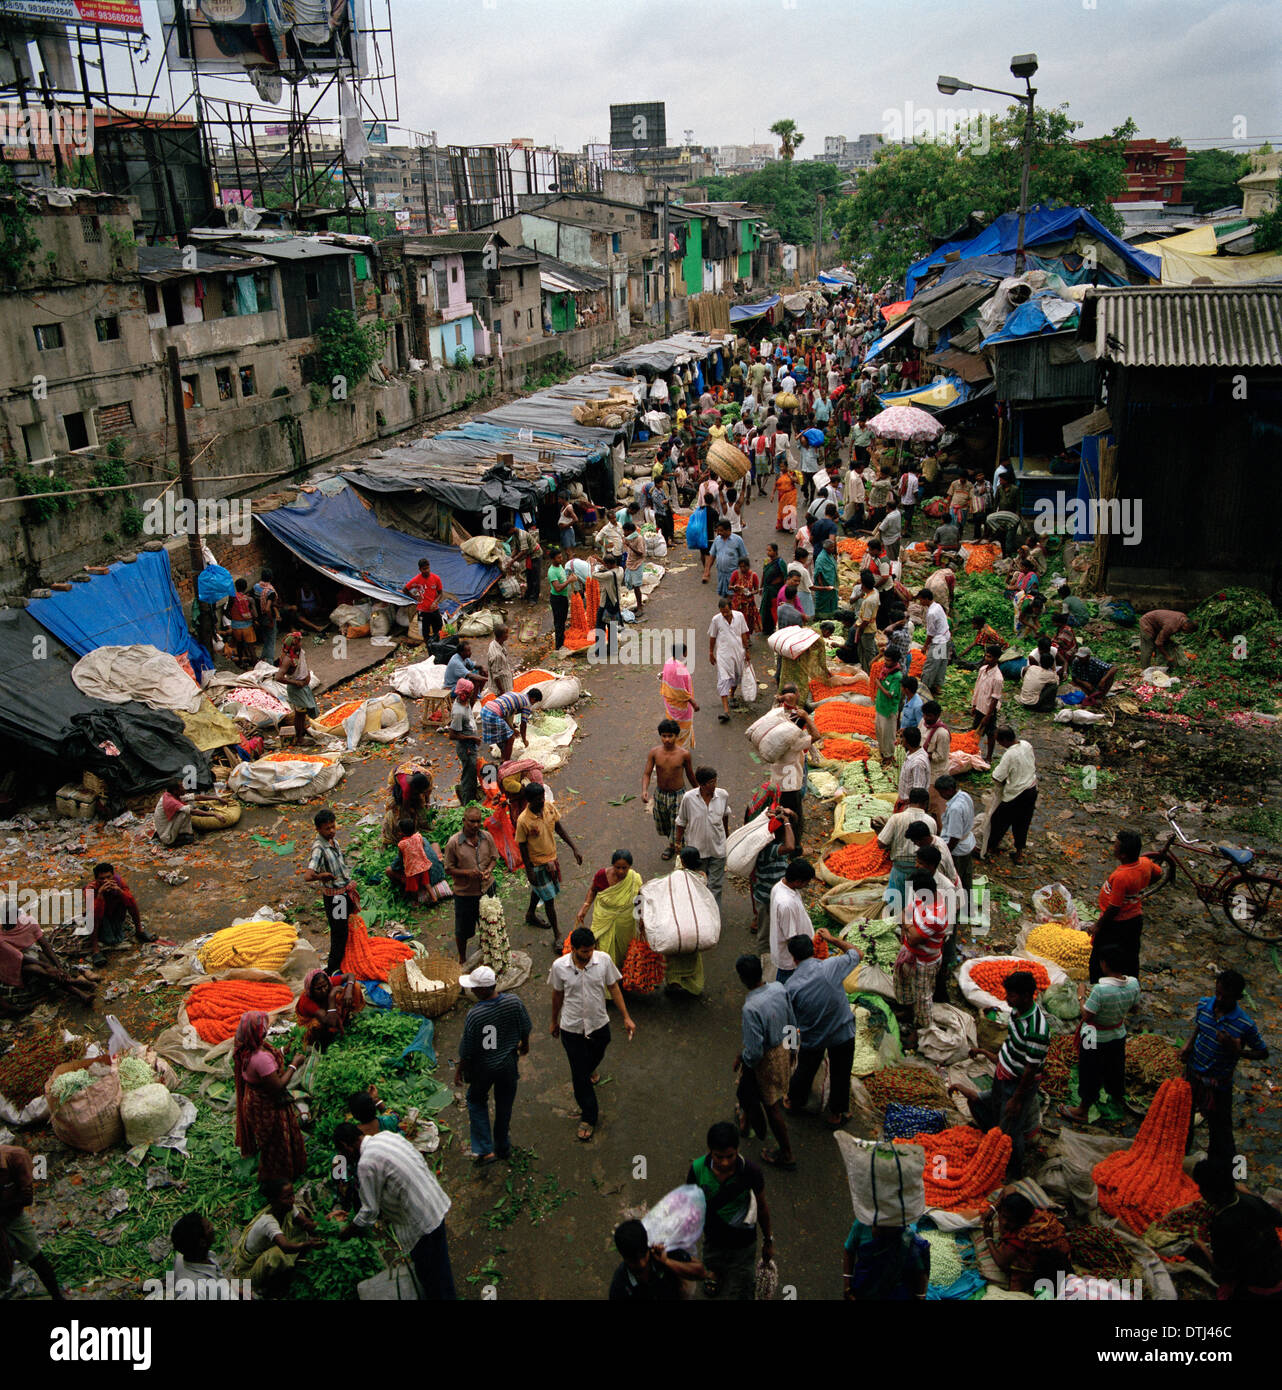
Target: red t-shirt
[(1123, 886), (429, 589)]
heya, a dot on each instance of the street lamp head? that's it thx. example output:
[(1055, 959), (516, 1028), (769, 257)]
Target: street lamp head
[(1024, 65), (951, 85)]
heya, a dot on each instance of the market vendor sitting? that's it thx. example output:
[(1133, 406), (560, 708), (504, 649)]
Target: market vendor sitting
[(411, 799), (26, 960), (1092, 675), (1025, 1242), (326, 1005), (172, 817), (270, 1245)]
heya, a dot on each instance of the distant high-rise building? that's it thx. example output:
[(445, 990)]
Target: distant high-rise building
[(851, 154), (639, 125)]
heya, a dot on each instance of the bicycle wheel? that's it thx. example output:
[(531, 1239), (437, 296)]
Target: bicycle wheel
[(1253, 903)]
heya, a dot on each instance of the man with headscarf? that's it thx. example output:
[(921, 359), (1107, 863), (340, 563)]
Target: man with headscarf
[(465, 734)]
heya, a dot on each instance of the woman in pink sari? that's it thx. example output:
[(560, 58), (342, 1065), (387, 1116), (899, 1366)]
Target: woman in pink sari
[(677, 690)]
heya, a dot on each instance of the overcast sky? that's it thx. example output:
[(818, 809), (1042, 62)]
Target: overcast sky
[(485, 71)]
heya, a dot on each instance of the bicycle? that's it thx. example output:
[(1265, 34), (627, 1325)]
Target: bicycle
[(1252, 901)]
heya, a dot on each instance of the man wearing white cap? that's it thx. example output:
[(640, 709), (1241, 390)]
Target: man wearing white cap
[(495, 1034)]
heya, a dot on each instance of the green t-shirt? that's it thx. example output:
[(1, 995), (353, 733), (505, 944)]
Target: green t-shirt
[(1110, 1001), (558, 581), (889, 705)]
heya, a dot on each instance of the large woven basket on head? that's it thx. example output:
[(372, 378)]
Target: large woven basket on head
[(727, 462), (430, 1003)]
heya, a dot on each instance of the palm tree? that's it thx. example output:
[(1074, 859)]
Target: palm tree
[(789, 138)]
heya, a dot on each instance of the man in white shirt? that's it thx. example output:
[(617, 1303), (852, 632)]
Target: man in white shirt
[(397, 1186), (580, 980), (703, 821), (891, 530), (197, 1275), (1016, 774), (788, 915), (957, 828), (938, 636), (915, 771), (1040, 682), (893, 838), (788, 384), (609, 540), (854, 493), (749, 407)]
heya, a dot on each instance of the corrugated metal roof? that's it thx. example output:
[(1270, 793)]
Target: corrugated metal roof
[(159, 263), (1186, 326), (450, 241), (569, 277), (290, 248)]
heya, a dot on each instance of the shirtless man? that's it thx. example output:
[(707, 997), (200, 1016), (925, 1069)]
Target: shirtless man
[(671, 768)]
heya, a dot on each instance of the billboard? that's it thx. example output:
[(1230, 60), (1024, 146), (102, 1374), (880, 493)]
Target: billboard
[(109, 14), (639, 125), (231, 37), (376, 132)]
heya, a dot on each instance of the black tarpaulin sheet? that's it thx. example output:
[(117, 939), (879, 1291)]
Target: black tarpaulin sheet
[(655, 358), (44, 717)]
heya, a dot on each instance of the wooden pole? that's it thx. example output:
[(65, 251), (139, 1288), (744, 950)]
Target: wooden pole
[(196, 556)]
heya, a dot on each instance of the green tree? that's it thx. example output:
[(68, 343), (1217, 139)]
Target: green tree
[(347, 349), (1210, 179), (18, 241), (372, 224), (789, 138), (1268, 231), (916, 194), (788, 200)]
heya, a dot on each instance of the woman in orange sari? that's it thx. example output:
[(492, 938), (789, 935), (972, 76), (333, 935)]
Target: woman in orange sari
[(745, 594), (786, 491)]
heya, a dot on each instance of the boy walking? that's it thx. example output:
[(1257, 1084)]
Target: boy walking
[(339, 896), (671, 766)]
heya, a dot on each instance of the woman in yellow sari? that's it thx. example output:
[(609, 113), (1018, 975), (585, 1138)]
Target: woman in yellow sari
[(610, 897)]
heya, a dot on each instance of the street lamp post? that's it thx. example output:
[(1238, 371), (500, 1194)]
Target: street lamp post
[(1022, 65)]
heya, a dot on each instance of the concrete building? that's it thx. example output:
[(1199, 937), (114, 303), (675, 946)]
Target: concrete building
[(76, 365), (851, 154), (1260, 185)]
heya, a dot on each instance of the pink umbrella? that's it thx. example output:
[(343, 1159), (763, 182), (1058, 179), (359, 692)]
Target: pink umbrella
[(905, 423)]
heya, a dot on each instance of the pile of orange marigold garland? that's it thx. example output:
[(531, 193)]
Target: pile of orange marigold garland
[(858, 861), (215, 1007), (973, 1165), (1140, 1184), (991, 975), (372, 957)]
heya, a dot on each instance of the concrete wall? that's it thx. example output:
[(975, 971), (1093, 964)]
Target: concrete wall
[(279, 437)]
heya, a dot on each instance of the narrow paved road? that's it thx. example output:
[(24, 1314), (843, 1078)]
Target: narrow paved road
[(675, 1078)]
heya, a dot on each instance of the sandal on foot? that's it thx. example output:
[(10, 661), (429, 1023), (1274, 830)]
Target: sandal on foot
[(775, 1160), (669, 853), (584, 1135), (484, 1160), (723, 719), (1066, 1114)]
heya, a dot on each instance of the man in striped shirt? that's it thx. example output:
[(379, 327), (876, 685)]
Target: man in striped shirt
[(396, 1186), (1012, 1103), (499, 718), (496, 1032), (1222, 1034)]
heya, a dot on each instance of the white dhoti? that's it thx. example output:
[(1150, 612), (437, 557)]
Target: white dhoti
[(728, 651)]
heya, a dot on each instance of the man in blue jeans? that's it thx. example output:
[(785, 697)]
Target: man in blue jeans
[(495, 1034)]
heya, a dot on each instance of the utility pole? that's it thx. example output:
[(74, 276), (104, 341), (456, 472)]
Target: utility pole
[(196, 556), (667, 274), (1023, 177), (821, 199), (436, 180)]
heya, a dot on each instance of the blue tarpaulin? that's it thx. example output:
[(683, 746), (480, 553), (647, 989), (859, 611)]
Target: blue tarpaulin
[(134, 604), (743, 313), (1043, 226), (340, 537), (1029, 320)]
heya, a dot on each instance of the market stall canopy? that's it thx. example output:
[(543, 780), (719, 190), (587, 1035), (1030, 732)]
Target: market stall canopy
[(745, 313), (43, 716), (340, 537), (934, 395), (133, 604), (886, 339), (1043, 227), (893, 311)]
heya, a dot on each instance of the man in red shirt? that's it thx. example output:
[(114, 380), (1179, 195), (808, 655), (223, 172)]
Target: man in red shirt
[(427, 589), (111, 903), (19, 1240), (1116, 931)]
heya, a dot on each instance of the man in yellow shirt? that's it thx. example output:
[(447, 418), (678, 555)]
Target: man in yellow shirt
[(536, 830)]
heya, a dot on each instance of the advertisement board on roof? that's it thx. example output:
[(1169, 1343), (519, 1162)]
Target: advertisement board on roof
[(237, 36), (107, 14)]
